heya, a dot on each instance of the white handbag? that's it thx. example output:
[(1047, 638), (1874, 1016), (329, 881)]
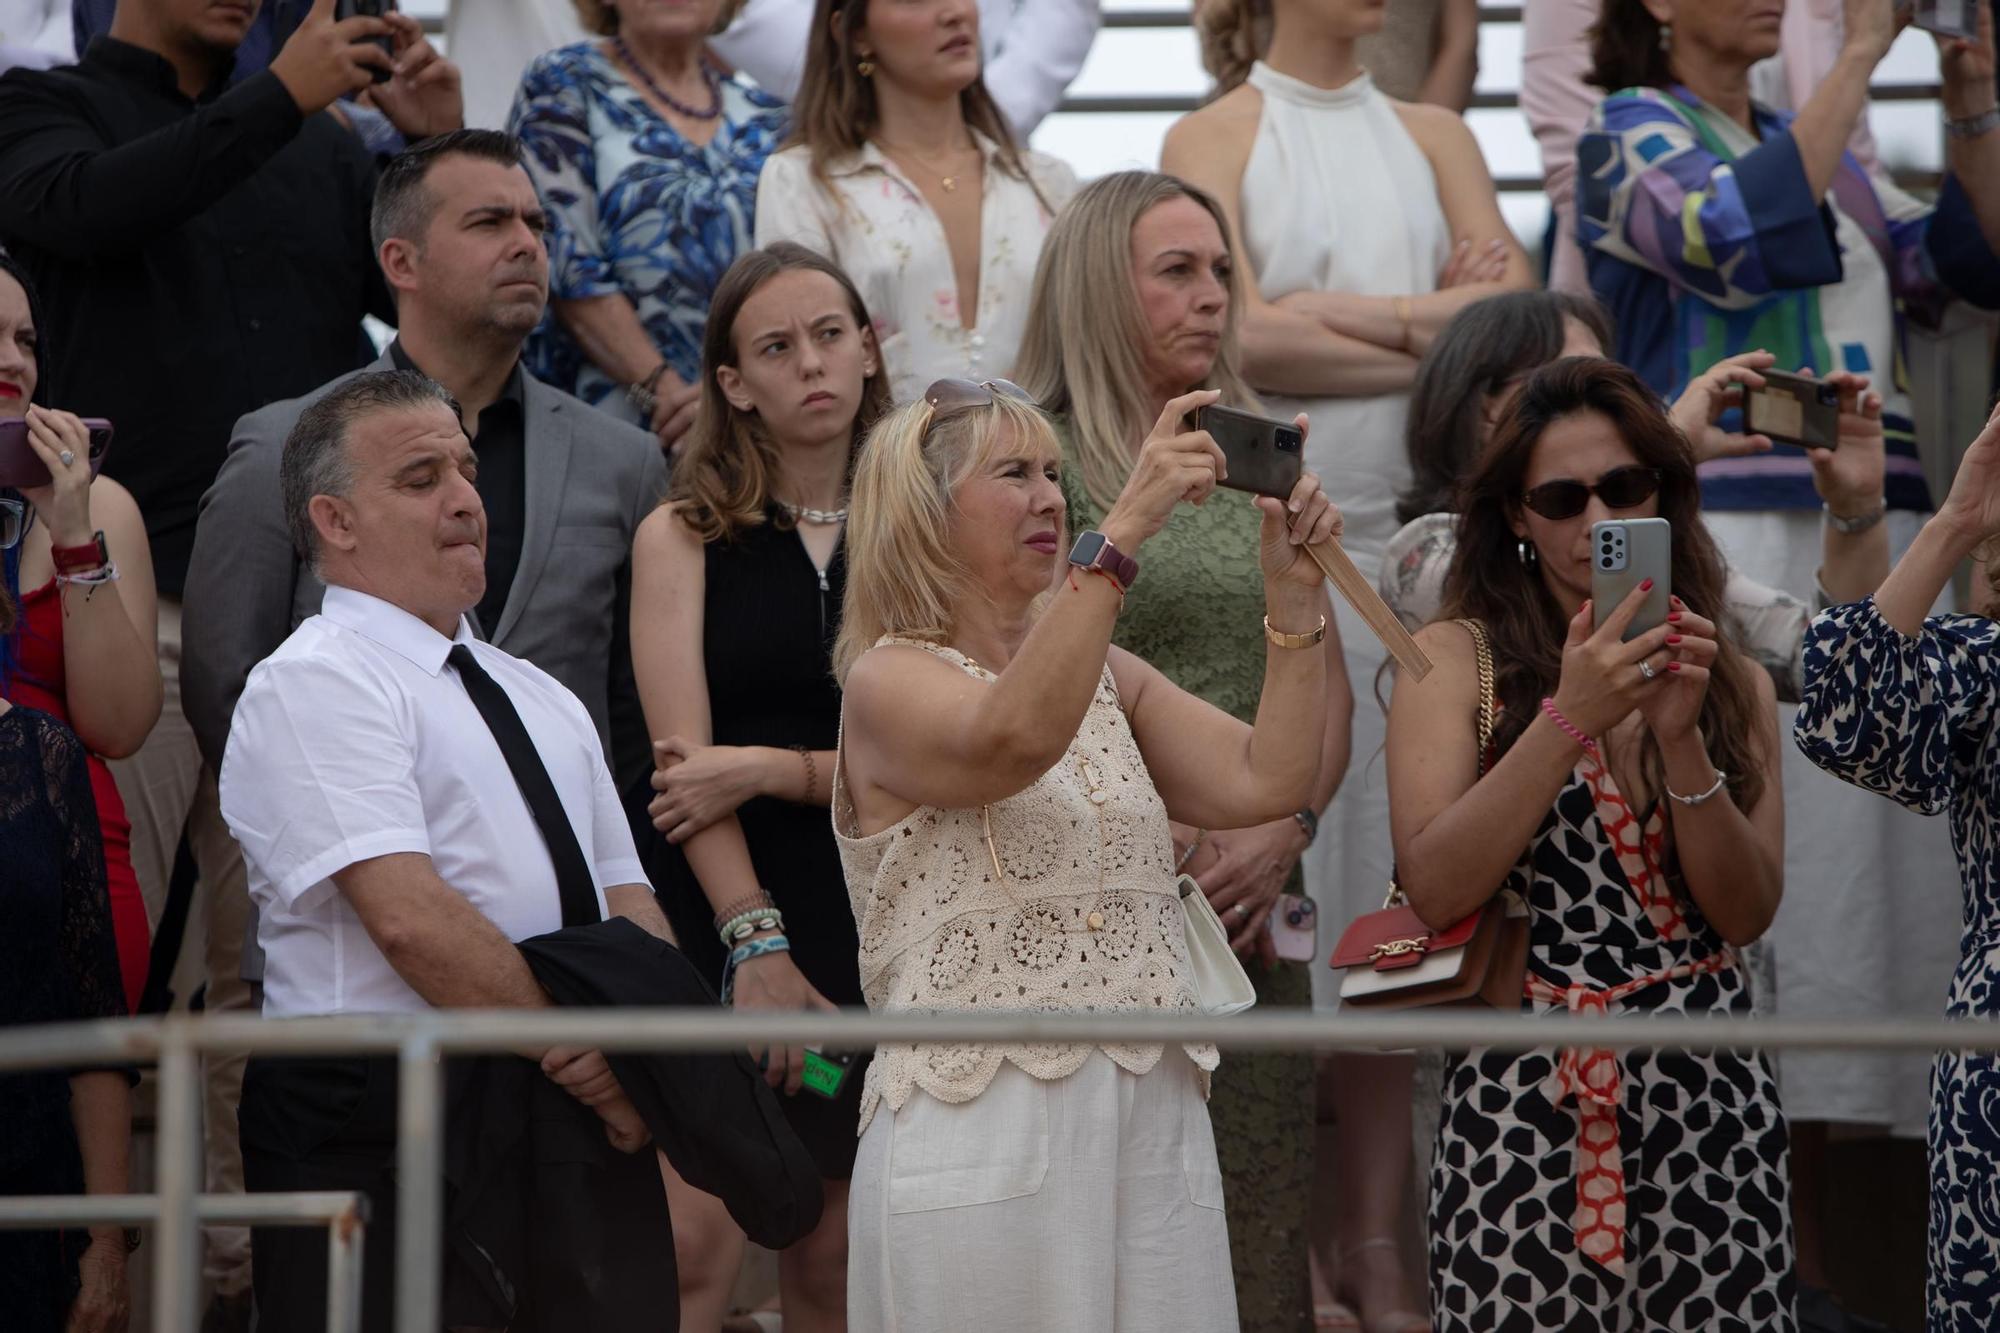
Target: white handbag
[(1221, 986)]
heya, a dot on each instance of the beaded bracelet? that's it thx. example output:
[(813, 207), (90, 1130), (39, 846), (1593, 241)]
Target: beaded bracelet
[(743, 953), (812, 770), (1555, 716), (759, 901), (745, 924)]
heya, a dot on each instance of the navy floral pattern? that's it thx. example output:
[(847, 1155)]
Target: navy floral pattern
[(634, 208), (1913, 719)]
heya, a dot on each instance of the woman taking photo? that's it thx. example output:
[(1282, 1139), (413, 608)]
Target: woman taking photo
[(83, 651), (1135, 304), (67, 1132), (1904, 706), (1003, 797), (646, 157), (737, 580), (1631, 799), (902, 170)]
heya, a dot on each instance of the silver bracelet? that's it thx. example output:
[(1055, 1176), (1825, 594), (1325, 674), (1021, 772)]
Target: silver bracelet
[(1858, 522), (1721, 781), (1971, 127)]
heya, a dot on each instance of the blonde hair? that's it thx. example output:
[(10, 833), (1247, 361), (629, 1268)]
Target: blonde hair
[(835, 110), (601, 16), (730, 463), (903, 575), (1082, 356), (1234, 34)]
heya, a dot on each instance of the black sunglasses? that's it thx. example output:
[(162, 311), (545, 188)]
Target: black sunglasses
[(1620, 488), (949, 397)]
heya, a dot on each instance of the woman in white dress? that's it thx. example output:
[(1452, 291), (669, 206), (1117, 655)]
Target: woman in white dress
[(902, 170), (1366, 224)]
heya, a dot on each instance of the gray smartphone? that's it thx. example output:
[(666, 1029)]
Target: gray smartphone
[(1625, 552), (1948, 18), (1264, 457)]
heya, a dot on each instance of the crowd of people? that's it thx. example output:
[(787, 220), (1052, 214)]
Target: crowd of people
[(723, 587)]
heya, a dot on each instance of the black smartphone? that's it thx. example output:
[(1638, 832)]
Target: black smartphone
[(1797, 409), (21, 467), (1948, 18), (373, 9), (1264, 457)]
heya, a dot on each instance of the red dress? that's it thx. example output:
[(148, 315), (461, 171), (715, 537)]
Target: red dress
[(38, 683)]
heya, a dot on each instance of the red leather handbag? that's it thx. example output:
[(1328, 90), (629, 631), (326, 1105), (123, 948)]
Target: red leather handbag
[(1394, 961)]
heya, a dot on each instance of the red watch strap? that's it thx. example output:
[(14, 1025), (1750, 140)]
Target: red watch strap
[(78, 559)]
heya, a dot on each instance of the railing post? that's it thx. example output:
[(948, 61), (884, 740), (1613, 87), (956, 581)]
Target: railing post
[(420, 1184), (177, 1239), (346, 1245)]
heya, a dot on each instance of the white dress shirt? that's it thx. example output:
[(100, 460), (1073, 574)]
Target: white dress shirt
[(354, 740), (878, 226), (1033, 49)]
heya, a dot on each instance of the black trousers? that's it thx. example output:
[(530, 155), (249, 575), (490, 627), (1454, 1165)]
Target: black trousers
[(320, 1124)]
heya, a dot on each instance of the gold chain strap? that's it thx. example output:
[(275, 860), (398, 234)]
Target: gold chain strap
[(1482, 650)]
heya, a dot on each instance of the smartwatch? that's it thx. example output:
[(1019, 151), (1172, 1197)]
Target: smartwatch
[(1093, 550)]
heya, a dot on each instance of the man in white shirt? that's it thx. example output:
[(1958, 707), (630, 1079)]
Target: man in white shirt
[(410, 802), (1034, 49)]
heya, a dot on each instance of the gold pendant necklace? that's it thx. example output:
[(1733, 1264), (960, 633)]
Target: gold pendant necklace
[(949, 183)]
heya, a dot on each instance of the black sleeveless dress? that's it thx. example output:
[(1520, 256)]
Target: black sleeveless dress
[(768, 624)]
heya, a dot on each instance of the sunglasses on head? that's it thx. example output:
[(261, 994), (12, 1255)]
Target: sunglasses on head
[(950, 397), (13, 522), (1620, 488)]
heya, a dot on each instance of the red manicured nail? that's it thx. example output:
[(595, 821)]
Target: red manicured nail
[(1673, 638), (1674, 616), (1647, 586), (1673, 666)]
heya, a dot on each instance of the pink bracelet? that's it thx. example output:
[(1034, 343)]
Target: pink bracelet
[(1555, 716)]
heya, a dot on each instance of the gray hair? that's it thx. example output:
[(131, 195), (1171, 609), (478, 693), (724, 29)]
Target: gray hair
[(316, 461)]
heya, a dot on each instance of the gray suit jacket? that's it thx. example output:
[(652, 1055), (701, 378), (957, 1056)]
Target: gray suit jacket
[(590, 479)]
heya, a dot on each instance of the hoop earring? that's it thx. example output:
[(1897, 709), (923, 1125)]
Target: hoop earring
[(1525, 552), (1667, 38), (866, 68)]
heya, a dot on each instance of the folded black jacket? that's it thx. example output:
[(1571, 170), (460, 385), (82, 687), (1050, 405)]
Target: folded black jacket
[(548, 1226)]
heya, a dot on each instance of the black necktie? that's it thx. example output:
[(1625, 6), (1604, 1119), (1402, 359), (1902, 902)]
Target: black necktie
[(579, 894)]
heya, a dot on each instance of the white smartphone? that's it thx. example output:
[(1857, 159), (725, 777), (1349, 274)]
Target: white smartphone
[(1625, 552)]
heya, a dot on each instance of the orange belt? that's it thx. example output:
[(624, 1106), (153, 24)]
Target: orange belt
[(1592, 1077)]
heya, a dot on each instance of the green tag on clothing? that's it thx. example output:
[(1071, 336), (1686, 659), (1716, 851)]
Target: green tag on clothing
[(823, 1075)]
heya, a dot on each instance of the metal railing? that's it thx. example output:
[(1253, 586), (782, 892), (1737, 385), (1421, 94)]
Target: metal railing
[(343, 1214), (420, 1041)]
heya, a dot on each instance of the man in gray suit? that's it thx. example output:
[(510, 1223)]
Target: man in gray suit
[(458, 231)]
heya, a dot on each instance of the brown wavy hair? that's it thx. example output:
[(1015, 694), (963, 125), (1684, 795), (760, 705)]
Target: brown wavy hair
[(835, 110), (723, 481), (1487, 581), (1625, 49), (1234, 35)]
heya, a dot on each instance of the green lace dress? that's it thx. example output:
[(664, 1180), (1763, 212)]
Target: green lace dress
[(1197, 613)]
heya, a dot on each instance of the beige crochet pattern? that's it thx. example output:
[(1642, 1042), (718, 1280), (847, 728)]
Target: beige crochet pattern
[(940, 933)]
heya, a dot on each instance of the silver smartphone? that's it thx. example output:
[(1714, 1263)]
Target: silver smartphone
[(1625, 552), (1948, 18)]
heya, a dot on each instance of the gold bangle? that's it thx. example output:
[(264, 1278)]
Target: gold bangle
[(1405, 313), (1283, 640)]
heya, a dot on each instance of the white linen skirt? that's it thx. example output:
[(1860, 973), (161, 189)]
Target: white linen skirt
[(1090, 1204)]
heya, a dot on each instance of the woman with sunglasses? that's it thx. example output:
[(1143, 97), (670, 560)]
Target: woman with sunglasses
[(76, 561), (1002, 801), (1631, 799), (736, 588)]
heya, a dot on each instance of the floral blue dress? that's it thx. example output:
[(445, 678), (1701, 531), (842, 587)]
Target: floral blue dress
[(1914, 719), (634, 208)]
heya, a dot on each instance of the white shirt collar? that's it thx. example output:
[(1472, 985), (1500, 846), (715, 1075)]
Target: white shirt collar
[(392, 627), (869, 157)]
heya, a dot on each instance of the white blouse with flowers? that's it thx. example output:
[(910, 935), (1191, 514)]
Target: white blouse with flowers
[(877, 225)]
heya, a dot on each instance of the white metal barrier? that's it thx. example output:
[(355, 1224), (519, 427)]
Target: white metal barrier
[(420, 1041)]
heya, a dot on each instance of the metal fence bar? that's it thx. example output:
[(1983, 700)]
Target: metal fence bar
[(177, 1252), (303, 1208), (420, 1182), (346, 1246)]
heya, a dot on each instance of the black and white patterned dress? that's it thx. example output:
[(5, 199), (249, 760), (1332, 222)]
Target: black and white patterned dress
[(1914, 720), (1595, 1192)]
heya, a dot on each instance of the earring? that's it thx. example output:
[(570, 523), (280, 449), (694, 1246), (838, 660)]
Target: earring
[(866, 68), (1667, 38), (1525, 552)]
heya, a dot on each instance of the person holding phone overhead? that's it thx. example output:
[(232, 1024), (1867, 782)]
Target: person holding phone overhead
[(737, 583), (1631, 798), (79, 569), (1135, 303)]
